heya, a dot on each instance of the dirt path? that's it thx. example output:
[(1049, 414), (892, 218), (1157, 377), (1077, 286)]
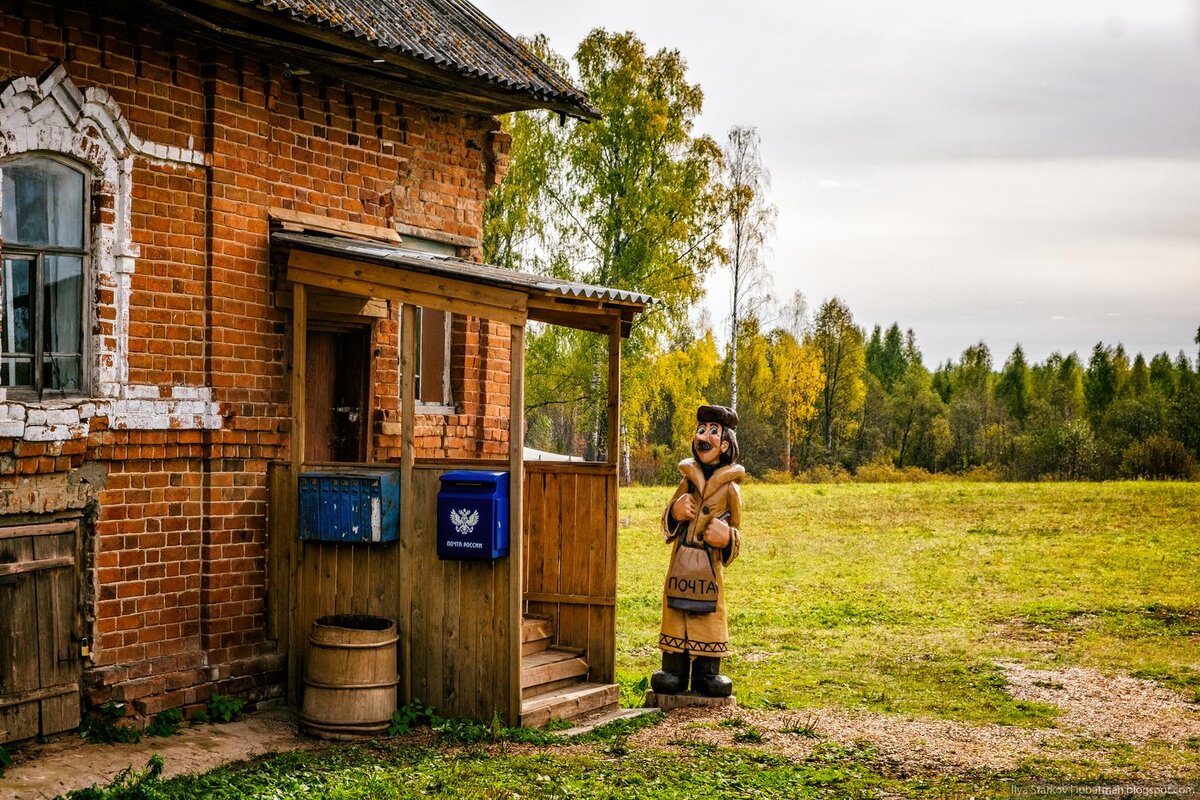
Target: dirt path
[(47, 770)]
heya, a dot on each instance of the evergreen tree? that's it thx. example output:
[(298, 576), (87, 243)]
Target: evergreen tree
[(1013, 389)]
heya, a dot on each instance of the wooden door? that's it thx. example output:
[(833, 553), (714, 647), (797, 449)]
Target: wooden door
[(40, 629), (336, 408)]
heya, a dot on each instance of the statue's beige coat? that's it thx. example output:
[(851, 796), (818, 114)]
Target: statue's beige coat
[(703, 634)]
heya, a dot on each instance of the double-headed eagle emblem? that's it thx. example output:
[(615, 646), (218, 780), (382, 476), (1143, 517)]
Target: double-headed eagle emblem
[(464, 520)]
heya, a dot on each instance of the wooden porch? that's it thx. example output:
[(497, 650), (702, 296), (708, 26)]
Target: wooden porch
[(530, 636), (453, 617)]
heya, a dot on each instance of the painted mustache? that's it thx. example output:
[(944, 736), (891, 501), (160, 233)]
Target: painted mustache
[(703, 446)]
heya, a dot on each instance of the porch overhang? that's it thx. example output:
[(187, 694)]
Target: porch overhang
[(390, 271)]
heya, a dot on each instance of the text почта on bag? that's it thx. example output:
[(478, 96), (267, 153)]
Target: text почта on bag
[(691, 583)]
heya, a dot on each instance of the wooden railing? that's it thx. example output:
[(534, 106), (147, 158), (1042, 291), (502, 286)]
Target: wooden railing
[(570, 556)]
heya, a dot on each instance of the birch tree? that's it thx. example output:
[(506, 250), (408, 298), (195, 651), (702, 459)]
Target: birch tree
[(750, 222)]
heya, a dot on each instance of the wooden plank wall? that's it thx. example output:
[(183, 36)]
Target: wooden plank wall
[(39, 629), (453, 651), (570, 569)]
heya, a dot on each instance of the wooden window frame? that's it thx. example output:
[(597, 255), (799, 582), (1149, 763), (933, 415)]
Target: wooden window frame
[(37, 391), (426, 406)]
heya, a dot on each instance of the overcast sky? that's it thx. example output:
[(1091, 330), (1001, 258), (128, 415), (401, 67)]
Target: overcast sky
[(1025, 171)]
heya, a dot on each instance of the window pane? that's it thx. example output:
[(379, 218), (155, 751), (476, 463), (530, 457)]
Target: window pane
[(16, 372), (61, 373), (16, 331), (62, 323), (43, 203)]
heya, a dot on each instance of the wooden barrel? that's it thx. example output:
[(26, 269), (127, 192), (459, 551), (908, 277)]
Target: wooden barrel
[(350, 677)]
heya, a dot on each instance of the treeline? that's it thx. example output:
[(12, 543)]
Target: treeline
[(825, 396), (637, 199)]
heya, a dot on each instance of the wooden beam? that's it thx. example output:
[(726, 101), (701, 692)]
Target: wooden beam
[(571, 467), (408, 405), (401, 276), (299, 362), (22, 567), (415, 232), (549, 299), (585, 321), (614, 392), (516, 493), (319, 222), (570, 599), (401, 295), (47, 529), (347, 305), (20, 698)]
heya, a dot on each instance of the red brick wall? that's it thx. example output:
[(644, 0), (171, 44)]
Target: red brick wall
[(179, 538)]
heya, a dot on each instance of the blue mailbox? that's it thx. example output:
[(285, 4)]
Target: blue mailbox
[(472, 515), (352, 504)]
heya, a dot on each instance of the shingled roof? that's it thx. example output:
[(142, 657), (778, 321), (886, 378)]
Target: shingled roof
[(438, 46)]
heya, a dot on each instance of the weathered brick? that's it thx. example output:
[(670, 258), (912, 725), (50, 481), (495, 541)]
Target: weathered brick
[(179, 543)]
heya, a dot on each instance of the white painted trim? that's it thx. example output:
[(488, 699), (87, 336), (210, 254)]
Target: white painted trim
[(52, 114)]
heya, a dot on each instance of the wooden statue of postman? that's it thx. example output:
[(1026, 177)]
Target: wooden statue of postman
[(701, 523)]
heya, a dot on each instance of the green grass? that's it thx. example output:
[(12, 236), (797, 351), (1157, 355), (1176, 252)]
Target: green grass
[(386, 770), (902, 597), (890, 597)]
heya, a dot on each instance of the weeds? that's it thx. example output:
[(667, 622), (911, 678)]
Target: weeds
[(801, 726), (750, 735), (106, 725), (5, 759), (166, 723), (462, 731), (411, 716), (129, 784), (222, 708)]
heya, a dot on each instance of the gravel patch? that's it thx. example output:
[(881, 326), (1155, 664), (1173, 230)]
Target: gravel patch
[(1130, 710), (1100, 714), (908, 745)]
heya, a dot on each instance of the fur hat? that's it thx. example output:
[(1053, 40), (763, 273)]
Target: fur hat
[(721, 415)]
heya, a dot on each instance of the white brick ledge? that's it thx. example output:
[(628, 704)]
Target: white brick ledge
[(143, 408)]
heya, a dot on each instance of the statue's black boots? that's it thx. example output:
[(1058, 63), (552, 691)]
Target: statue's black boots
[(707, 678), (673, 677)]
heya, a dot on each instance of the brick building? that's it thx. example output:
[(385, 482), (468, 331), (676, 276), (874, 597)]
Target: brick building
[(150, 151)]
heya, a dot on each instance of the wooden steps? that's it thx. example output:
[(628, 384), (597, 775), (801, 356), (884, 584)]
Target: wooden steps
[(537, 634), (569, 703), (554, 678)]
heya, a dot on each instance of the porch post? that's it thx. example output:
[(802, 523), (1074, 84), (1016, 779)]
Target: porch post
[(408, 413), (614, 392), (299, 366), (516, 491)]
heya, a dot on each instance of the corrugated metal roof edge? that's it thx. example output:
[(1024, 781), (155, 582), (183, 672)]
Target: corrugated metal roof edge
[(458, 267), (575, 99)]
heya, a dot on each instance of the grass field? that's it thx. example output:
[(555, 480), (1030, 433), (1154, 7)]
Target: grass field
[(902, 597), (890, 601)]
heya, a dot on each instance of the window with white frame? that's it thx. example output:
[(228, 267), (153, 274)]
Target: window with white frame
[(42, 283)]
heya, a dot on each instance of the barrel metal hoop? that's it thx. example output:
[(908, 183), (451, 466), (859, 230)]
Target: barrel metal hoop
[(352, 645), (366, 727), (309, 682)]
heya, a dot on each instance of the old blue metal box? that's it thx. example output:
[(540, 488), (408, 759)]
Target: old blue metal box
[(472, 515), (350, 504)]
